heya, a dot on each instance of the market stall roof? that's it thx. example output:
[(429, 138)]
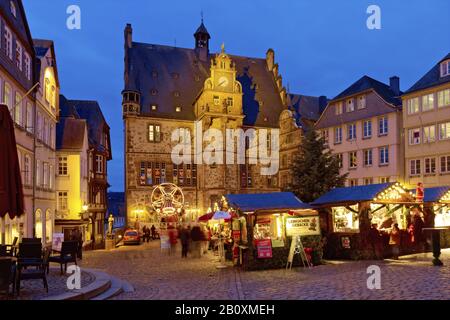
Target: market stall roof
[(352, 194), (435, 194), (265, 201)]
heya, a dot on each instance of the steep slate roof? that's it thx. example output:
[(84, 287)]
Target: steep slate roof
[(20, 22), (431, 78), (144, 59), (266, 201), (70, 133), (91, 112), (306, 107), (351, 194), (366, 83), (41, 48)]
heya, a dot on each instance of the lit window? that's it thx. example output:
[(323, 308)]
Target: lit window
[(350, 105), (428, 102), (383, 127), (216, 100), (62, 200), (384, 179), (413, 105), (445, 164), (176, 94), (229, 102), (414, 167), (27, 170), (62, 166), (414, 136), (368, 157), (154, 133), (367, 128), (384, 155), (361, 102), (19, 55), (429, 134), (368, 181), (7, 96), (18, 109), (444, 131), (8, 43), (29, 117), (339, 157), (353, 182), (444, 98), (430, 165), (154, 107), (178, 109), (324, 134), (352, 159)]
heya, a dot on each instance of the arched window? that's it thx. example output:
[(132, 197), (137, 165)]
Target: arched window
[(48, 226), (38, 225)]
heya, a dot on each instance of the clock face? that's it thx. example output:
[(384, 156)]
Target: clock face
[(223, 82)]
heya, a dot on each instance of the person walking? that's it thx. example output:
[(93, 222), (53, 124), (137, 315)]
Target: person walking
[(376, 241), (394, 241), (153, 231), (185, 236), (417, 231)]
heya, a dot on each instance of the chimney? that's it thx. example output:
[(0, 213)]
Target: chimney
[(394, 84), (128, 33)]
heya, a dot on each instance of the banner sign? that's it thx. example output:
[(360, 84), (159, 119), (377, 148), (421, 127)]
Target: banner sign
[(264, 248), (303, 226)]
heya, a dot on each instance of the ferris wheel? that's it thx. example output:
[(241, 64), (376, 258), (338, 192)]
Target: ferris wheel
[(167, 198)]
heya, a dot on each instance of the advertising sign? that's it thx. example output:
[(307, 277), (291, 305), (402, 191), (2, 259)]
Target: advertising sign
[(303, 226), (57, 241), (264, 248)]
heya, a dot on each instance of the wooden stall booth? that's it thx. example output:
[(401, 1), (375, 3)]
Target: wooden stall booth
[(266, 224), (357, 221)]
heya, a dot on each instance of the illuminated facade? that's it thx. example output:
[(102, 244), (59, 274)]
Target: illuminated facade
[(47, 112), (17, 77), (426, 118)]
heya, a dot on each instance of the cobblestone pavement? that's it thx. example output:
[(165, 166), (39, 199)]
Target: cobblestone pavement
[(158, 276), (57, 284)]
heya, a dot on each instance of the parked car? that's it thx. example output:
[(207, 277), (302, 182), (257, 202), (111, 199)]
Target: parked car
[(131, 237)]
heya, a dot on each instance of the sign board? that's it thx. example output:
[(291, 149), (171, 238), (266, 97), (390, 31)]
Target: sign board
[(264, 248), (303, 226), (165, 242), (236, 236), (57, 240), (277, 243), (345, 242)]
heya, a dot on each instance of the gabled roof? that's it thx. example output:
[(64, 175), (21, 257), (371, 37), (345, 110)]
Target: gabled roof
[(201, 29), (19, 23), (366, 83), (70, 134), (41, 48), (306, 107), (265, 201), (431, 78), (351, 194), (151, 72)]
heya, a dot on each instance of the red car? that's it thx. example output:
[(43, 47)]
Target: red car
[(131, 237)]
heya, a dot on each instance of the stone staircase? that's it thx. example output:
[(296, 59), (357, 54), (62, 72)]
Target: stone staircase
[(104, 287)]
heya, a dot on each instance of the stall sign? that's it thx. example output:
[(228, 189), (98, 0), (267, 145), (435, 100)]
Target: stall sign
[(303, 226), (264, 248)]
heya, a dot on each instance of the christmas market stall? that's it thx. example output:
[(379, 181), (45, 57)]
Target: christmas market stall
[(357, 221), (436, 207), (266, 225)]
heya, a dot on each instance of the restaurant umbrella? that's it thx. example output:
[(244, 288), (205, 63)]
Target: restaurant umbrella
[(11, 193)]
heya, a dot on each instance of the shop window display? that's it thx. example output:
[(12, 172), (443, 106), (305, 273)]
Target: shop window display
[(442, 218), (384, 218), (269, 227)]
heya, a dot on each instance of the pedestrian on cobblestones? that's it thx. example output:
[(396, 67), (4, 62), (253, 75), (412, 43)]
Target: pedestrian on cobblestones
[(376, 241), (394, 241), (173, 239), (185, 236)]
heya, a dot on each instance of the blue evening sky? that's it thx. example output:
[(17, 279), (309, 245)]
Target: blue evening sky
[(322, 46)]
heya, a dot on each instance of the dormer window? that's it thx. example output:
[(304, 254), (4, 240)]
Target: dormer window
[(13, 9), (361, 102), (350, 105), (154, 92), (445, 68), (178, 109), (154, 107), (176, 94)]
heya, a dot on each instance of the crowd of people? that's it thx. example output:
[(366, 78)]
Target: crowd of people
[(415, 237)]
